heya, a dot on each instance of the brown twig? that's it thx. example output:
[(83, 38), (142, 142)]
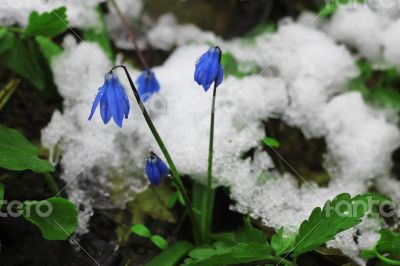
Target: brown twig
[(130, 33)]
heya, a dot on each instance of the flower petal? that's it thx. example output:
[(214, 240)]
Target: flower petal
[(114, 103), (97, 100), (152, 172), (104, 110)]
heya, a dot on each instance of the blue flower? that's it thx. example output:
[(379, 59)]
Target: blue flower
[(113, 101), (156, 169), (147, 85), (209, 69)]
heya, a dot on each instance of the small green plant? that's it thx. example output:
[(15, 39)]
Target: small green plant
[(387, 249), (250, 244), (143, 231), (55, 217), (377, 85)]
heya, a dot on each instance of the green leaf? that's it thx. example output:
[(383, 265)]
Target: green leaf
[(172, 255), (49, 23), (271, 142), (388, 97), (367, 254), (48, 47), (232, 66), (246, 234), (6, 40), (331, 7), (57, 218), (281, 244), (159, 241), (389, 243), (387, 249), (100, 35), (140, 230), (172, 200), (250, 234), (17, 153), (23, 56), (222, 254), (338, 215)]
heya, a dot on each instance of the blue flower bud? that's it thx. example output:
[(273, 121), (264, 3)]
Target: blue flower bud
[(147, 85), (113, 101), (156, 169), (209, 69)]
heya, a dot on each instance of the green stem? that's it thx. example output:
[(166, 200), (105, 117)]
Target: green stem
[(51, 182), (386, 260), (209, 193), (175, 173)]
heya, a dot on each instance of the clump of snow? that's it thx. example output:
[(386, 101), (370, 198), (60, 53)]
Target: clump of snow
[(360, 27), (371, 28), (80, 13), (390, 44), (318, 68), (354, 127)]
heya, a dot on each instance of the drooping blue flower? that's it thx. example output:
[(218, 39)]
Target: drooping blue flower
[(113, 101), (209, 68), (147, 85), (156, 169)]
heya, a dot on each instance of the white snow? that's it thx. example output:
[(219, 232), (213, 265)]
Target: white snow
[(80, 13), (359, 27)]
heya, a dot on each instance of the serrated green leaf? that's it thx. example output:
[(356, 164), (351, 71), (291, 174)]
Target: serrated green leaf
[(49, 48), (222, 254), (57, 218), (17, 153), (159, 241), (338, 215), (140, 230), (281, 244), (172, 255), (49, 23)]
